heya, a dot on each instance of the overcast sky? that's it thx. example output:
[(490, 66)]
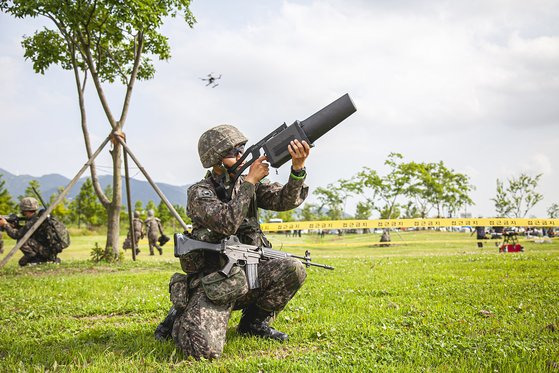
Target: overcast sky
[(474, 84)]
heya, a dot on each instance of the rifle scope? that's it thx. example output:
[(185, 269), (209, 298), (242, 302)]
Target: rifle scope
[(310, 129)]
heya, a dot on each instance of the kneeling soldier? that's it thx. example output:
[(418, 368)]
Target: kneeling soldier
[(203, 299), (35, 250)]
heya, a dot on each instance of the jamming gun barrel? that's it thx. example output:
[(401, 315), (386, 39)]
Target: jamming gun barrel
[(311, 129)]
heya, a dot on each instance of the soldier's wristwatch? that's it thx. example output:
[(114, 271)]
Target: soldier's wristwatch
[(299, 173)]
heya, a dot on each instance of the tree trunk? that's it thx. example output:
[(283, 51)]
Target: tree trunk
[(113, 221)]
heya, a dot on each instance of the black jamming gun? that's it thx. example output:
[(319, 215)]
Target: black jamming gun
[(309, 130), (239, 254)]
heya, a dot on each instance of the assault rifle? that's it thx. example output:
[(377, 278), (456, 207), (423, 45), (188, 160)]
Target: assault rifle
[(239, 254), (13, 219), (275, 144)]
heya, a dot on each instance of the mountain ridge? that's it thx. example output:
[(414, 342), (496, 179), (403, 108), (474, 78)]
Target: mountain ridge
[(140, 190)]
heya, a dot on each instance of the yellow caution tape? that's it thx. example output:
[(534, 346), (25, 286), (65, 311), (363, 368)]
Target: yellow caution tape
[(408, 223)]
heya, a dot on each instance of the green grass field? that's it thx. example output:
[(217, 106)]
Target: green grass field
[(437, 304)]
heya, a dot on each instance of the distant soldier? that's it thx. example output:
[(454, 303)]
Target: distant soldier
[(42, 246), (154, 230), (138, 226)]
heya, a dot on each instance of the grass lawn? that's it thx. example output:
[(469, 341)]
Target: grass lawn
[(437, 303)]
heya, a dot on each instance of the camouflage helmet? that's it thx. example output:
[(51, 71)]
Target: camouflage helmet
[(216, 142), (151, 213), (136, 214), (28, 204)]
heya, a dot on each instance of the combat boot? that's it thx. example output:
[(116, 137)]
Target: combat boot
[(255, 322), (26, 259), (164, 329)]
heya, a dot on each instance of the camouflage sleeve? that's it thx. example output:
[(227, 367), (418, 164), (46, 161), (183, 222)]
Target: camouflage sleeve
[(277, 197), (17, 233), (206, 210)]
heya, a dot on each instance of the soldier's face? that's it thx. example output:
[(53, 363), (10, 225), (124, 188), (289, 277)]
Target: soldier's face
[(233, 156), (28, 214)]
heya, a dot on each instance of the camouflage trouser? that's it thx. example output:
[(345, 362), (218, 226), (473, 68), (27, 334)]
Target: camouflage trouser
[(152, 240), (1, 243), (35, 252), (128, 241), (200, 330)]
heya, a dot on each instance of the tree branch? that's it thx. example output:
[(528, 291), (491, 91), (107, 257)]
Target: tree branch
[(95, 76), (95, 180), (130, 86)]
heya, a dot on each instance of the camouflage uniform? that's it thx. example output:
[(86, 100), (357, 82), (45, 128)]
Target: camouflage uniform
[(138, 226), (1, 243), (200, 329), (33, 251), (154, 230)]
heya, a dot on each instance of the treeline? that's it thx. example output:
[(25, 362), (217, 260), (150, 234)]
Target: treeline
[(85, 210), (413, 190), (406, 190)]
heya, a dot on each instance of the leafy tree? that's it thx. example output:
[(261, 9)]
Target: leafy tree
[(515, 198), (436, 186), (381, 193), (411, 211), (286, 216), (29, 192), (61, 211), (553, 211), (163, 213), (310, 212), (363, 211), (332, 198), (109, 41), (138, 206), (7, 206), (151, 206), (85, 207), (182, 213)]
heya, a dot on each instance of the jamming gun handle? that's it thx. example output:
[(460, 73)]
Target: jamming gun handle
[(254, 152)]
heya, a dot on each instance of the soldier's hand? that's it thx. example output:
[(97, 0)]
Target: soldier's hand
[(3, 222), (258, 170), (299, 152)]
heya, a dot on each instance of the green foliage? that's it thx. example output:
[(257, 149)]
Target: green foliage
[(182, 213), (138, 206), (151, 206), (517, 197), (29, 192), (553, 211), (7, 206), (413, 187), (102, 36), (99, 254), (435, 185), (107, 40), (411, 211), (85, 208), (61, 210), (163, 213), (407, 308), (363, 211), (332, 197), (310, 212), (381, 193)]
